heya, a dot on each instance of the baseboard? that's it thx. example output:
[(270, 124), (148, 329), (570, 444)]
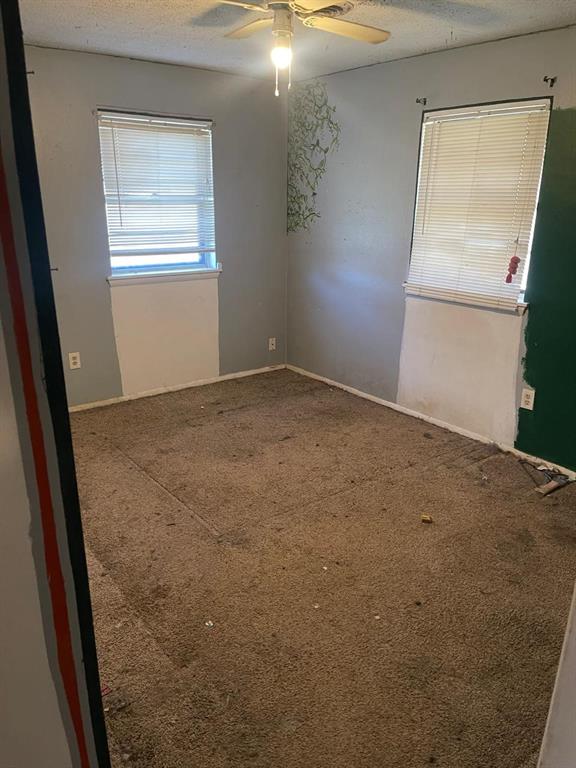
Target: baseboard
[(177, 388), (352, 390), (431, 420)]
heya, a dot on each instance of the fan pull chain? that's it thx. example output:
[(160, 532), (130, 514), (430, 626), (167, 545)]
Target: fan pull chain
[(277, 90)]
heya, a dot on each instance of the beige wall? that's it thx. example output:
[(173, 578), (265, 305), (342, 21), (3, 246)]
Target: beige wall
[(166, 331), (459, 364)]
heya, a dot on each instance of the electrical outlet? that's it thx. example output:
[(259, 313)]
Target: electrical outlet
[(74, 360), (272, 344), (527, 400)]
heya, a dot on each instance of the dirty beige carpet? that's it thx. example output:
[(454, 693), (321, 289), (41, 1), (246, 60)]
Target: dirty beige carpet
[(266, 595)]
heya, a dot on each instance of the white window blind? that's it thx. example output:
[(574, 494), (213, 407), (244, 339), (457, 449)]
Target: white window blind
[(478, 183), (159, 193)]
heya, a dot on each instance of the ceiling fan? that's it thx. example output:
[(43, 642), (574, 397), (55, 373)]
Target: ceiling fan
[(317, 14)]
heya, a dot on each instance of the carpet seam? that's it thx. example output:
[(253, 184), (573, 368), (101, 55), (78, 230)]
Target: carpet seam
[(196, 516)]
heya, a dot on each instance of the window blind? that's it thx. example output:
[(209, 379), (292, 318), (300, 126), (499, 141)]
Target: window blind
[(479, 176), (159, 193)]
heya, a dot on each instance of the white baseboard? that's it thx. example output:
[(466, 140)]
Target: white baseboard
[(365, 395), (177, 388), (431, 420)]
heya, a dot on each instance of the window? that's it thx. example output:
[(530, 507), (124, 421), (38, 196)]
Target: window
[(159, 193), (478, 182)]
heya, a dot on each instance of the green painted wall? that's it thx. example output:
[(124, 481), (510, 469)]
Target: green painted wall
[(549, 431)]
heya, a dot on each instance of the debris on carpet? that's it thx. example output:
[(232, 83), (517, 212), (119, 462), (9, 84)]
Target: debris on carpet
[(553, 477)]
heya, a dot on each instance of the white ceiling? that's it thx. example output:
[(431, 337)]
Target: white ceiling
[(191, 31)]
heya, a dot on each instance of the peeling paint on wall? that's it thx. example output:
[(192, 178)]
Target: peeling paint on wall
[(550, 365), (313, 133)]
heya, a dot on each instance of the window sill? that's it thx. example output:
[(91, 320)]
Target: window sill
[(517, 309), (141, 278)]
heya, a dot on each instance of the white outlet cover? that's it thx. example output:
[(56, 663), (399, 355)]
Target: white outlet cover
[(272, 344), (527, 400), (74, 361)]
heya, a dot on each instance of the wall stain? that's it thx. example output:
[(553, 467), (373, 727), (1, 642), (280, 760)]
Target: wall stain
[(549, 430), (313, 133)]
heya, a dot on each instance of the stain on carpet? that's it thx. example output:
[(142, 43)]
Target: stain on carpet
[(266, 595)]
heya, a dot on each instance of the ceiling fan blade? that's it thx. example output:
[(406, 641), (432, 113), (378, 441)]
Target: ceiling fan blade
[(347, 29), (250, 29), (246, 6)]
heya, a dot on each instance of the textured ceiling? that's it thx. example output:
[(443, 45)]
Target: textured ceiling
[(191, 31)]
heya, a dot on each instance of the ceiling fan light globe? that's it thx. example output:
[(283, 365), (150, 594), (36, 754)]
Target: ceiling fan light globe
[(281, 56)]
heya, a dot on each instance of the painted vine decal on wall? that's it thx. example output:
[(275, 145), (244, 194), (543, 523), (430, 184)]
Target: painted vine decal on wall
[(313, 133)]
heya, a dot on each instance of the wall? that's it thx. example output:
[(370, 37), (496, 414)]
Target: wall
[(559, 742), (346, 302), (25, 671), (50, 703), (444, 375), (250, 207), (166, 331), (550, 367)]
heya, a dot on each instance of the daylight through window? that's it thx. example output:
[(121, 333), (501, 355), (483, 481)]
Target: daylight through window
[(479, 176), (159, 193)]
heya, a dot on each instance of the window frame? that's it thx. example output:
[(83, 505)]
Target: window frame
[(521, 305), (157, 272)]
